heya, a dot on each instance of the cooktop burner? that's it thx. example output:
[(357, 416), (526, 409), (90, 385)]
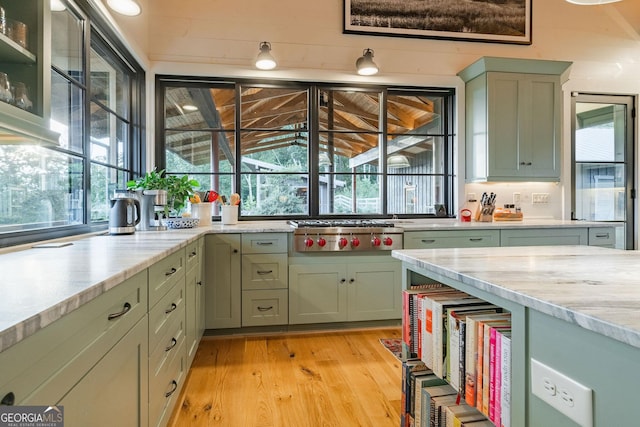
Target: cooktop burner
[(318, 223)]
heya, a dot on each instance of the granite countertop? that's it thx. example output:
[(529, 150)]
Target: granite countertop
[(595, 288)]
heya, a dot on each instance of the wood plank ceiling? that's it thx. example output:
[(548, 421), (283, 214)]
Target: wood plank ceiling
[(272, 118)]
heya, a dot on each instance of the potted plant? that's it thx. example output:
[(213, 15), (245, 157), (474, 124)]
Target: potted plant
[(178, 189)]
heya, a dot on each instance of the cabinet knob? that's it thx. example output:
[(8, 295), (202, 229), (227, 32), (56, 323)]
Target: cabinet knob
[(343, 280), (235, 251), (352, 280), (9, 399)]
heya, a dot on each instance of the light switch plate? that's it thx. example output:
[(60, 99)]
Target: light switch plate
[(563, 393)]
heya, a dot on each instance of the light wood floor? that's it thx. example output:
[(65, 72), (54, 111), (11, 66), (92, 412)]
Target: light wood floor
[(342, 378)]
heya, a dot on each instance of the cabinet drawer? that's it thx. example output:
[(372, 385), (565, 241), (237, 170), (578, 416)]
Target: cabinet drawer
[(264, 243), (172, 342), (261, 308), (193, 253), (51, 361), (544, 237), (264, 271), (163, 314), (164, 274), (451, 239), (602, 236), (164, 387)]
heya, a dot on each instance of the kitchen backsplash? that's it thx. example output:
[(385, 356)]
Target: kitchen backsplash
[(548, 197)]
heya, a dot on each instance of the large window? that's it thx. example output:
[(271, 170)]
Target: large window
[(95, 106), (311, 150)]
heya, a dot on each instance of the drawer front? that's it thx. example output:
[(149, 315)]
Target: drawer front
[(451, 239), (264, 243), (265, 271), (260, 308), (164, 313), (544, 237), (164, 274), (193, 254), (164, 388), (602, 236), (55, 358), (172, 343)]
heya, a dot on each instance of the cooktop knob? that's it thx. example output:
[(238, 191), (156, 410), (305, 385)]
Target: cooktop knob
[(322, 242), (375, 241), (355, 242), (308, 242), (388, 241), (342, 242)]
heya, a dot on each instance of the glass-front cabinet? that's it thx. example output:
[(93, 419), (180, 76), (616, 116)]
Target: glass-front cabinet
[(25, 68)]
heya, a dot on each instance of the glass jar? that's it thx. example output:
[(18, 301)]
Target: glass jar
[(21, 96), (5, 88)]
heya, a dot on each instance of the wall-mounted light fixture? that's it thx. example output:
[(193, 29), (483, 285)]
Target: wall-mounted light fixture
[(125, 7), (265, 61), (365, 65), (397, 161), (591, 2)]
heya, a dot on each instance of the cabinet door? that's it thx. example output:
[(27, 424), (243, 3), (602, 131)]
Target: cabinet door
[(523, 126), (117, 387), (374, 291), (192, 313), (223, 291), (317, 293)]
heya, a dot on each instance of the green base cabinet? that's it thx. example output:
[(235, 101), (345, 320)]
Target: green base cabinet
[(194, 295), (544, 237), (223, 291), (340, 289)]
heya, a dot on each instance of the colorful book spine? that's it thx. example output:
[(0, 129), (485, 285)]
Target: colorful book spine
[(505, 394)]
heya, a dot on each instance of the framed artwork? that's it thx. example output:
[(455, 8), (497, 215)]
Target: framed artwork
[(493, 21)]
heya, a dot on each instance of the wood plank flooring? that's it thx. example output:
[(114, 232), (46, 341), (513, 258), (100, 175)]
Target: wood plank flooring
[(338, 378)]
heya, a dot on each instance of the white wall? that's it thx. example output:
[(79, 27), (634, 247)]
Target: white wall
[(221, 38)]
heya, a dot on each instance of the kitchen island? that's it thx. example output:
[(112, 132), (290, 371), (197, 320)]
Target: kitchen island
[(575, 309)]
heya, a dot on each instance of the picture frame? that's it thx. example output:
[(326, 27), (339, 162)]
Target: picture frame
[(492, 21)]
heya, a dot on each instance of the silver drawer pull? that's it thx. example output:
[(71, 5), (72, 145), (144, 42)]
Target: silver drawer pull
[(427, 240), (174, 384), (173, 344), (265, 308), (170, 272), (602, 236), (264, 271), (475, 239), (264, 243), (125, 310), (170, 309)]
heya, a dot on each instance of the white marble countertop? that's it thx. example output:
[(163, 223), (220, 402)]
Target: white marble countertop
[(455, 224), (41, 285), (596, 288)]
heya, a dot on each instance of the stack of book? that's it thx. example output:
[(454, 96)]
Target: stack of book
[(460, 344)]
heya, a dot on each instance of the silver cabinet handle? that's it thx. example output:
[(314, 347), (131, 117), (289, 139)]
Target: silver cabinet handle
[(174, 384), (171, 308), (262, 272), (264, 243), (427, 240), (602, 236), (125, 310), (174, 342), (475, 239)]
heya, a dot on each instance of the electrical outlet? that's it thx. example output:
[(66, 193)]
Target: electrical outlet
[(566, 395), (516, 198), (539, 198)]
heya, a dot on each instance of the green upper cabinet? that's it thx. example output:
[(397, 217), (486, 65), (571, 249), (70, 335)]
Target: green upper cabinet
[(25, 73), (513, 119)]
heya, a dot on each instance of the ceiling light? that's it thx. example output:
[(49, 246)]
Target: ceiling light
[(591, 2), (265, 60), (189, 107), (365, 64), (125, 7), (397, 161), (57, 6)]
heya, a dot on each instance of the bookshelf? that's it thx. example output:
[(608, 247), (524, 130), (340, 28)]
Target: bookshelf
[(419, 281)]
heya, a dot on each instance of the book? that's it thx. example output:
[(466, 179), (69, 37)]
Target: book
[(440, 404), (428, 411), (456, 359), (495, 368), (505, 385), (410, 315), (457, 414), (421, 382), (486, 362), (485, 423), (472, 356), (409, 367)]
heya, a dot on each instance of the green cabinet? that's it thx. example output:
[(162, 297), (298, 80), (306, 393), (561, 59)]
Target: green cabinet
[(513, 117), (451, 239), (223, 291), (339, 289), (194, 296), (544, 236)]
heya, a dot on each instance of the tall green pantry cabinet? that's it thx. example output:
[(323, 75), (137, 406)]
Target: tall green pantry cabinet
[(513, 119)]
